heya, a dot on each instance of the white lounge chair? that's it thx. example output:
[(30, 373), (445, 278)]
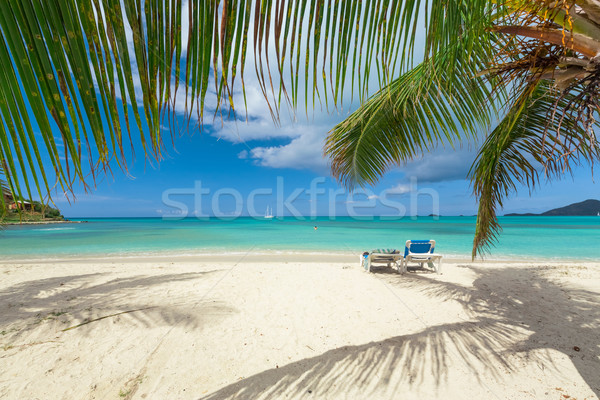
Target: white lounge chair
[(421, 251), (391, 257)]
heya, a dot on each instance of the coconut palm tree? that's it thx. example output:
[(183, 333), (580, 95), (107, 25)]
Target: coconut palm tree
[(80, 79)]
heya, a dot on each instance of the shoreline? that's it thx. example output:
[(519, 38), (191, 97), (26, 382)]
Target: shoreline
[(290, 255)]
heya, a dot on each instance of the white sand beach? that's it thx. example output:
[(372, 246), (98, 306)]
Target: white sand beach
[(271, 327)]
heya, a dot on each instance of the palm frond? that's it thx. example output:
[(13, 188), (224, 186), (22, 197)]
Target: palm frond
[(423, 108), (80, 78), (548, 126), (529, 144)]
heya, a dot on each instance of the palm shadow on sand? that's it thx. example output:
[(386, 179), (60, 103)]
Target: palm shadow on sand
[(71, 300), (557, 318)]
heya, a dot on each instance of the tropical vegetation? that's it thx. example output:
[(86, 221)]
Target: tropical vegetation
[(519, 77), (37, 212)]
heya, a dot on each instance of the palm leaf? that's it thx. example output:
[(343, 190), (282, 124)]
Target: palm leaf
[(72, 88), (426, 106), (527, 145)]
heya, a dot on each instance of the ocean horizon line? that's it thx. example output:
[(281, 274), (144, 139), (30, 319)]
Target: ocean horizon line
[(323, 216)]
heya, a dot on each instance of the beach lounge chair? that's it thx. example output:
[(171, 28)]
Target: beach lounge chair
[(391, 257), (421, 251)]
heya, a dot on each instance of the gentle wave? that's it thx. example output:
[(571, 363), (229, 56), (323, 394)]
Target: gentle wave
[(55, 229)]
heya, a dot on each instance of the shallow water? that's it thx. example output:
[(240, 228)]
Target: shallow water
[(522, 237)]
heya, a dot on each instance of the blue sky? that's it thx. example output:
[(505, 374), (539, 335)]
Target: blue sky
[(220, 161), (242, 157)]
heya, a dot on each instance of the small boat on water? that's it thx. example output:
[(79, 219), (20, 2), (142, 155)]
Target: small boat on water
[(269, 213)]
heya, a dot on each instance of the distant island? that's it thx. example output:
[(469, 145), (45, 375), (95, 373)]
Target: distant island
[(585, 208)]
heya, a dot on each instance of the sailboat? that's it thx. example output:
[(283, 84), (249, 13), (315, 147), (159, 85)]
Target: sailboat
[(269, 213)]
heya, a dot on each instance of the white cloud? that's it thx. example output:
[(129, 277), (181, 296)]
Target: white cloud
[(261, 129), (400, 188), (303, 134), (303, 152), (65, 198), (442, 164)]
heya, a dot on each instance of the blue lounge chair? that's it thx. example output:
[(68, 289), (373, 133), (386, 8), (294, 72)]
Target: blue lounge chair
[(421, 251), (391, 257)]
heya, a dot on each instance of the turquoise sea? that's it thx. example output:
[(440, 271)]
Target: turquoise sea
[(569, 238)]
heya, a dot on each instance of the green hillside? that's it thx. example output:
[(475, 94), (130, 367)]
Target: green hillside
[(37, 213)]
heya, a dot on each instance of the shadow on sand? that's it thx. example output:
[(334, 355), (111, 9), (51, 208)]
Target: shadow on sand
[(72, 300), (514, 312)]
